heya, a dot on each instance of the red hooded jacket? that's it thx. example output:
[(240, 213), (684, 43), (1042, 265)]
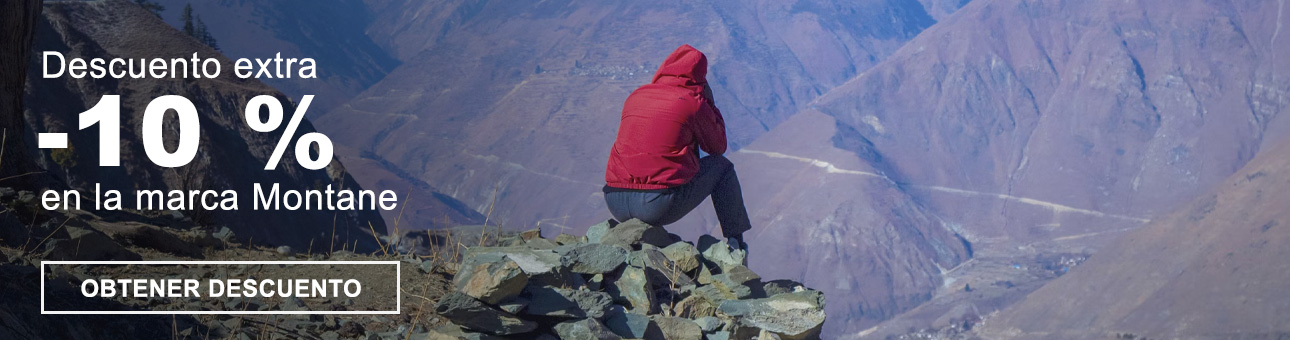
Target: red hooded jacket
[(661, 124)]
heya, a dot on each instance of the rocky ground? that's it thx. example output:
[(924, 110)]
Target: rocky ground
[(628, 280)]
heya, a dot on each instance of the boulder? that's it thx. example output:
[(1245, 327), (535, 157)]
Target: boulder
[(674, 280), (740, 331), (738, 281), (695, 306), (739, 274), (674, 328), (797, 315), (634, 290), (566, 248), (718, 253), (490, 277), (514, 305), (705, 273), (659, 266), (584, 329), (224, 234), (541, 243), (594, 258), (567, 303), (564, 239), (633, 233), (532, 261), (711, 293), (684, 255), (631, 325), (768, 335), (467, 312), (709, 324), (597, 231), (649, 258), (597, 282), (510, 241), (776, 287), (542, 266), (531, 234), (727, 289), (719, 335)]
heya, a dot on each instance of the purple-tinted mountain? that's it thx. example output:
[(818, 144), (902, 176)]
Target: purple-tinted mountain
[(1213, 269), (824, 216), (333, 33), (1038, 121), (1054, 127)]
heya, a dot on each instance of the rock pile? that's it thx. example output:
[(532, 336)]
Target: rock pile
[(622, 281)]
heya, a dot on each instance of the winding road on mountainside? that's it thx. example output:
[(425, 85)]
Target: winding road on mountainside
[(1054, 207)]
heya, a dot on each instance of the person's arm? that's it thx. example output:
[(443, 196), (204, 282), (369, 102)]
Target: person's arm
[(711, 126)]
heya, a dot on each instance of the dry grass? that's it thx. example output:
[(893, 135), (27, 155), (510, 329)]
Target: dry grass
[(378, 240), (483, 232), (671, 287), (51, 234)]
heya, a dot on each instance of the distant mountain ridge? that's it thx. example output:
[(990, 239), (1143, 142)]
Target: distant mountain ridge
[(331, 33), (1058, 127), (1215, 268), (1042, 120)]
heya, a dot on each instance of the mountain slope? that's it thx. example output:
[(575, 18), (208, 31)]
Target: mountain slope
[(230, 155), (1039, 130), (1215, 268), (332, 33), (823, 216), (1069, 122)]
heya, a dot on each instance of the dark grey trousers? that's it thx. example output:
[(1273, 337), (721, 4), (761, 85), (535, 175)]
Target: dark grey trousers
[(716, 178)]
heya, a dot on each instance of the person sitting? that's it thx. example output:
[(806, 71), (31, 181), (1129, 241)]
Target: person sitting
[(655, 172)]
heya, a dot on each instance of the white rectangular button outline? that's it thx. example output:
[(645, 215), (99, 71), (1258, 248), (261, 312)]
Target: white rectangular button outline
[(398, 289)]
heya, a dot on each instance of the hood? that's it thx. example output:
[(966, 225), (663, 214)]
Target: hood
[(684, 67)]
